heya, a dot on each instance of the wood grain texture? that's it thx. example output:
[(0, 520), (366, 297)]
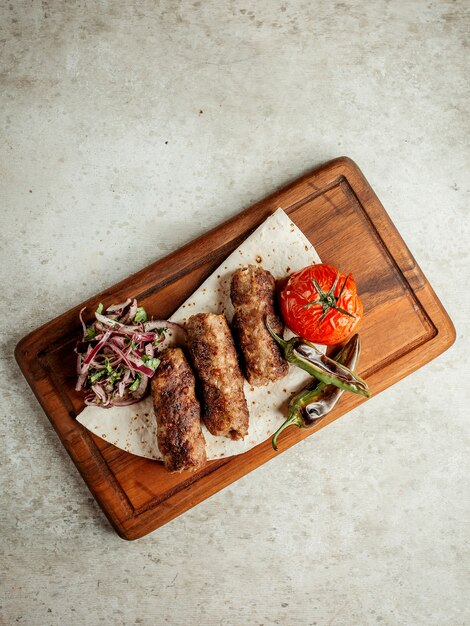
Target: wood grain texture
[(338, 211)]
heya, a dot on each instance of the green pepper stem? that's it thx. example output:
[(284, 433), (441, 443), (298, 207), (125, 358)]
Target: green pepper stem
[(281, 342), (294, 419)]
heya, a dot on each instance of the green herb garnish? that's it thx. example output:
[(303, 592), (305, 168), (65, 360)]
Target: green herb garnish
[(90, 334), (151, 362), (93, 378), (135, 385), (141, 315)]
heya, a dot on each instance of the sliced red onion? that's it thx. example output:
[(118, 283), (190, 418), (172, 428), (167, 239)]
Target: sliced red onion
[(95, 350), (124, 358), (81, 381), (117, 402), (119, 341), (155, 324), (99, 391), (140, 365), (176, 336), (118, 308), (114, 354), (121, 389), (80, 315), (132, 311)]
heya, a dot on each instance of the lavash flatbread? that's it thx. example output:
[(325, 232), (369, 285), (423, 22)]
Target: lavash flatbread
[(279, 246)]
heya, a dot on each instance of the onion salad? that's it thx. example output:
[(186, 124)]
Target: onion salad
[(118, 353)]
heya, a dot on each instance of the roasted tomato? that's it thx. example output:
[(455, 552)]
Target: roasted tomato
[(321, 304)]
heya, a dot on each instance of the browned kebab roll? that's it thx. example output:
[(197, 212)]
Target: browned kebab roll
[(214, 357), (178, 413), (253, 297)]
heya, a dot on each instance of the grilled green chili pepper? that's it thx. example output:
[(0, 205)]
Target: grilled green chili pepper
[(316, 400), (305, 355)]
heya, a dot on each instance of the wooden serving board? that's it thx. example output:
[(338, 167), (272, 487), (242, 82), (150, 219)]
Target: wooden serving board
[(404, 327)]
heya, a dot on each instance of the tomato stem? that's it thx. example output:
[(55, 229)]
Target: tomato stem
[(328, 300), (342, 288)]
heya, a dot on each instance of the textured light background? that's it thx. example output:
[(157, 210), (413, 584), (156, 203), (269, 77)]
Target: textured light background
[(128, 128)]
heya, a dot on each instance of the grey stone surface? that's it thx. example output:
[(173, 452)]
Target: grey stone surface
[(128, 128)]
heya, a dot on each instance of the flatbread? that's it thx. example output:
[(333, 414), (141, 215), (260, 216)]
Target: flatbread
[(279, 246)]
